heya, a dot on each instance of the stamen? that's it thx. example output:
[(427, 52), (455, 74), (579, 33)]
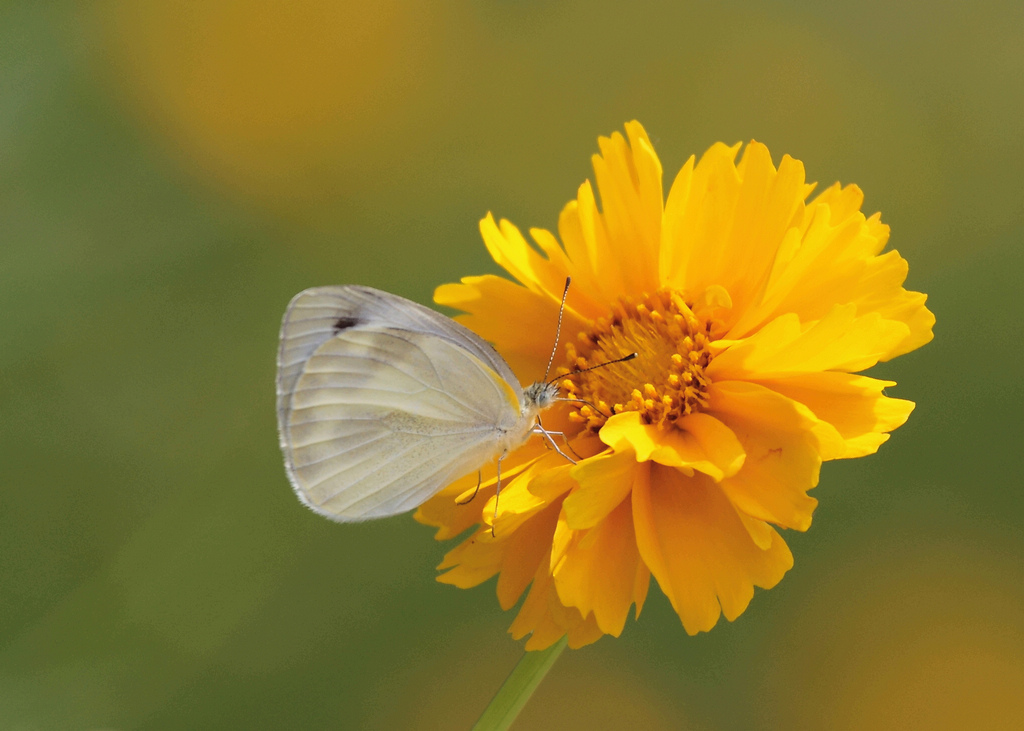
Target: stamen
[(666, 380)]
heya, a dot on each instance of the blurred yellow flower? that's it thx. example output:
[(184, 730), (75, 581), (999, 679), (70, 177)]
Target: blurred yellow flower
[(750, 310)]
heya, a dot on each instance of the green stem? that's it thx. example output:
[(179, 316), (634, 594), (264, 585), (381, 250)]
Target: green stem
[(518, 687)]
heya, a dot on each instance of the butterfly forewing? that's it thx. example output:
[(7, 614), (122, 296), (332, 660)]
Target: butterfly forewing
[(316, 315)]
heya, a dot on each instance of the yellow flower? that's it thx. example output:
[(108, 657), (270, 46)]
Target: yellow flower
[(750, 309)]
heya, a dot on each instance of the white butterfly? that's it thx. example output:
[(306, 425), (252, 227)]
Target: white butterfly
[(382, 402)]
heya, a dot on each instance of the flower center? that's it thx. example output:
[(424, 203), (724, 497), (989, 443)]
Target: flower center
[(666, 380)]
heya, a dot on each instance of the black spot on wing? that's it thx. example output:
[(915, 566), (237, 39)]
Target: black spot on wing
[(344, 323)]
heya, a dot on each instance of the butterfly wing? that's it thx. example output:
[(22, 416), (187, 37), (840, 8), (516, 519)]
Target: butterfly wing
[(314, 315), (376, 415)]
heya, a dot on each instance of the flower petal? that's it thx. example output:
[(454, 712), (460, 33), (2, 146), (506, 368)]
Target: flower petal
[(708, 448), (510, 251), (534, 618), (544, 276), (524, 552), (699, 549), (831, 258), (701, 211), (581, 248), (589, 226), (599, 570), (843, 202), (604, 482), (725, 221), (516, 503), (716, 440), (511, 317), (841, 341), (854, 405), (547, 620), (552, 483), (628, 178), (880, 290), (515, 557), (451, 518), (760, 532), (472, 562), (677, 227), (784, 443), (585, 298)]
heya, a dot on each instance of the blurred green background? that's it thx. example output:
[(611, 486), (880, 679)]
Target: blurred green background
[(171, 173)]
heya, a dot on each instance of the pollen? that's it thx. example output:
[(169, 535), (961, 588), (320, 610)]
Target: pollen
[(665, 381)]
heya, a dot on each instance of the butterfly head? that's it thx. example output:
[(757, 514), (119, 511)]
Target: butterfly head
[(538, 396)]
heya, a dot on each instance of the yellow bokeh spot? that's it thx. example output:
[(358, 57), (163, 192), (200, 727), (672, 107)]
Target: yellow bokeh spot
[(281, 102)]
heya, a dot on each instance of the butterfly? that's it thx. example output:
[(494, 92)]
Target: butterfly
[(382, 402)]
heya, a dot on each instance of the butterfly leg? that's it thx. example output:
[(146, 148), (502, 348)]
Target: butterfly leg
[(479, 479), (568, 444), (539, 429), (497, 492), (547, 435)]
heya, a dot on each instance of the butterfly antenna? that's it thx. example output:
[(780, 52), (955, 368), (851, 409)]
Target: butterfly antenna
[(623, 359), (583, 401), (558, 330)]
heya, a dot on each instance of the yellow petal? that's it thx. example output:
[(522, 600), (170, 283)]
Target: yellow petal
[(549, 482), (831, 258), (533, 616), (472, 562), (732, 222), (841, 201), (880, 290), (709, 448), (758, 530), (580, 633), (510, 251), (597, 571), (592, 227), (512, 318), (841, 341), (547, 620), (783, 449), (604, 482), (584, 298), (698, 548), (676, 228), (516, 503), (516, 557), (768, 204), (628, 176), (716, 441), (544, 275), (854, 405), (697, 215), (451, 518), (581, 252), (524, 551)]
